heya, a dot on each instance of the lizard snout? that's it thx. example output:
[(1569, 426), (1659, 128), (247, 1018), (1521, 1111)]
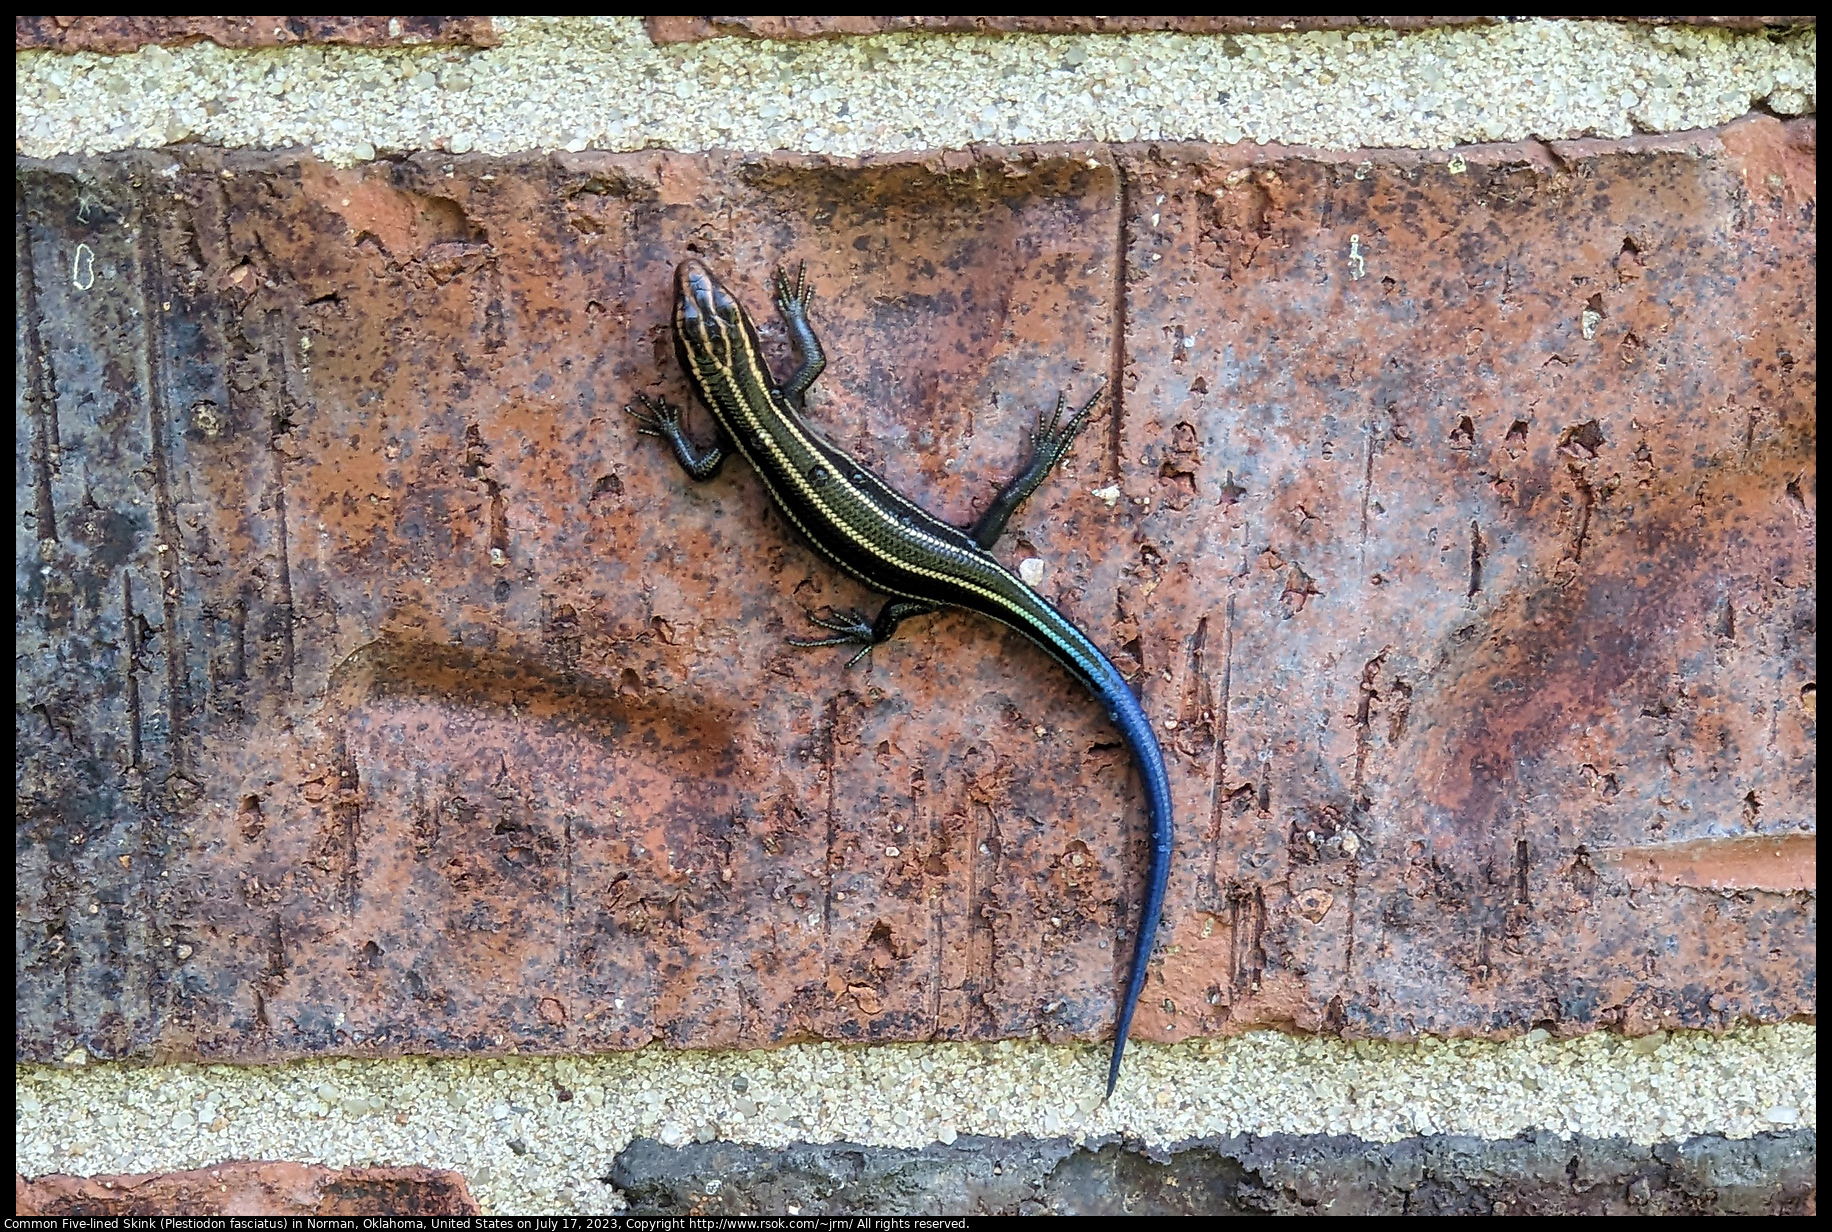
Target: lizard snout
[(699, 295)]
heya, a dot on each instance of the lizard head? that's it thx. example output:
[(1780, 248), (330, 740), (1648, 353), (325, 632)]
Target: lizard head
[(709, 322), (698, 294)]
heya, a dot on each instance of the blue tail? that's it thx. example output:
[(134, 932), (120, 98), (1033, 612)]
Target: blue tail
[(1031, 615), (1126, 714)]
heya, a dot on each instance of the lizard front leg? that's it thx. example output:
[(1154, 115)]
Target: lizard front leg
[(658, 418), (792, 305)]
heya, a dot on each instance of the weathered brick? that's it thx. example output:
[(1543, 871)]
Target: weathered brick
[(1279, 1174), (1519, 550), (122, 34), (694, 29), (1512, 577), (381, 689), (259, 1188)]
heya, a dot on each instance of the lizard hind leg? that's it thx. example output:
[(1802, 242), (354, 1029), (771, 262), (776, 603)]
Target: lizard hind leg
[(849, 627), (852, 629), (1050, 442)]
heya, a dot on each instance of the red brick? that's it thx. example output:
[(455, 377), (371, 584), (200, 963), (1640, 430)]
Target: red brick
[(482, 735), (250, 1189), (1735, 21), (1783, 863), (122, 34), (694, 29), (1497, 597)]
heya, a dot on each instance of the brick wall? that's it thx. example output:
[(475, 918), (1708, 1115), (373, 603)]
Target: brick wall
[(383, 692)]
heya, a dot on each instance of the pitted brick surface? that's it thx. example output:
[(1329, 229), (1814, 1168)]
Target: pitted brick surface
[(1512, 559), (1439, 1174), (382, 690), (240, 1188), (124, 34), (693, 29)]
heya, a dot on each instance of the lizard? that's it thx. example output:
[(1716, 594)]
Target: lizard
[(893, 545)]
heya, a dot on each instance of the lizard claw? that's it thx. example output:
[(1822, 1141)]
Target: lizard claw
[(852, 627), (849, 628), (655, 417), (793, 300), (1053, 436)]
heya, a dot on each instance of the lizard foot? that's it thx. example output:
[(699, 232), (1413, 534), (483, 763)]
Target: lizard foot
[(1054, 435), (849, 628), (793, 300), (656, 417)]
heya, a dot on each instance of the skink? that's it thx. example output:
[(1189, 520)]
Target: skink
[(884, 539)]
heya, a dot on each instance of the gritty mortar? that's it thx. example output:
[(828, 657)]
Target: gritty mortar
[(598, 83), (532, 1134)]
